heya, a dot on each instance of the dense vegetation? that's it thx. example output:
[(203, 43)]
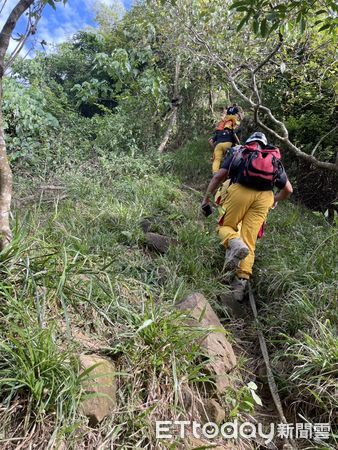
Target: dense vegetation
[(83, 125)]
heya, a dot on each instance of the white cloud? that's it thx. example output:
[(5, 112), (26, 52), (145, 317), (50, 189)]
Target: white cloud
[(56, 28)]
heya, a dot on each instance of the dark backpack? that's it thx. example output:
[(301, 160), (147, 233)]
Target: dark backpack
[(232, 110), (255, 168)]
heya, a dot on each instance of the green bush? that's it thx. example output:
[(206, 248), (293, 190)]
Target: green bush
[(27, 119)]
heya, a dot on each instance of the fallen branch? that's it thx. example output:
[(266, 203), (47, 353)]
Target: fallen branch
[(185, 186), (38, 197)]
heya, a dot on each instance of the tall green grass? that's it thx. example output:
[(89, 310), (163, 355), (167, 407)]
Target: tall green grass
[(296, 282), (79, 266)]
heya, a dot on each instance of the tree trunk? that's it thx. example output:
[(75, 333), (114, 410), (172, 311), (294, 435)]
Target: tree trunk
[(210, 95), (173, 117), (172, 123), (5, 185)]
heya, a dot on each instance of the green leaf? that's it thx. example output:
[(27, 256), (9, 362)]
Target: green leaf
[(235, 5), (320, 11), (246, 405), (242, 22), (264, 28), (274, 27), (52, 4), (325, 27)]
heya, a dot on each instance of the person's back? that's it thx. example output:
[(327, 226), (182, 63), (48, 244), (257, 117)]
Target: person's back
[(225, 136)]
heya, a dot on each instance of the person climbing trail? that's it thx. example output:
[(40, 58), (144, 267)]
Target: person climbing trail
[(225, 135), (254, 170)]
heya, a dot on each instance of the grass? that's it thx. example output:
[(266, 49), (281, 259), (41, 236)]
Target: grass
[(79, 265), (296, 280)]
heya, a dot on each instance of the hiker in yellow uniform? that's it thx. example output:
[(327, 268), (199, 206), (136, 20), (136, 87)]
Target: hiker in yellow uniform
[(225, 135), (254, 170)]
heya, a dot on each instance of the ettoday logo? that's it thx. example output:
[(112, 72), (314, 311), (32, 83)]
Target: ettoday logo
[(168, 429)]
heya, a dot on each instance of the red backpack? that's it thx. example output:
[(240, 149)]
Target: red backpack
[(255, 167)]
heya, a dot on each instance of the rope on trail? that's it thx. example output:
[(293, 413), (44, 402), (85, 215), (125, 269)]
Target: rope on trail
[(270, 377)]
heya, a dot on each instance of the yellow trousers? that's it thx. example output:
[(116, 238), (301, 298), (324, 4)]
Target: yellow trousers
[(219, 153), (220, 197), (251, 208)]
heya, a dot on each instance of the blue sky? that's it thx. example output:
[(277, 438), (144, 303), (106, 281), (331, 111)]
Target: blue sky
[(58, 26)]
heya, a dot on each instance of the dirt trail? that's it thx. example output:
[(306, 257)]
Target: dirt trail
[(247, 343)]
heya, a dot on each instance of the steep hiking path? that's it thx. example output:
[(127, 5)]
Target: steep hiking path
[(290, 317), (88, 292), (96, 349), (250, 343)]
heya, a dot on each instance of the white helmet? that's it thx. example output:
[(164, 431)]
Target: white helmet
[(257, 137)]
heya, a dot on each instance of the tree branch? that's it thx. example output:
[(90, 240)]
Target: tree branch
[(8, 29), (322, 139), (256, 107), (3, 5), (271, 55)]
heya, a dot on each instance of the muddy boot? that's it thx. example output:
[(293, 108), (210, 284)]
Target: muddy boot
[(233, 300), (233, 308), (235, 252), (238, 287)]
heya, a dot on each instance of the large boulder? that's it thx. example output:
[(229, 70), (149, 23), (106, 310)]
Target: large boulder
[(215, 345), (101, 386)]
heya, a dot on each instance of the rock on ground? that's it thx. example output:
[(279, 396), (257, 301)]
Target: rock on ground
[(158, 242), (215, 345), (213, 411), (102, 383), (145, 225)]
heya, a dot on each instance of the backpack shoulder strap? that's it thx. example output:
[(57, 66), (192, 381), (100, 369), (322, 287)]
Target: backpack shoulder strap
[(237, 157)]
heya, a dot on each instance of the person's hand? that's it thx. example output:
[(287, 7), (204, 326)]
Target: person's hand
[(211, 143)]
